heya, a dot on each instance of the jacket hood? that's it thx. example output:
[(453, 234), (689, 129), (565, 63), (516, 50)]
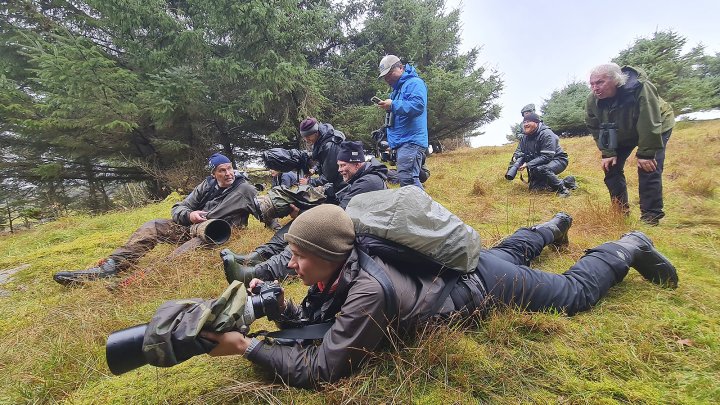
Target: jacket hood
[(372, 167), (408, 74), (636, 77), (327, 133)]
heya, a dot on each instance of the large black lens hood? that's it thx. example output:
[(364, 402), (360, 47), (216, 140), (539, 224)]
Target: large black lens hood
[(123, 350)]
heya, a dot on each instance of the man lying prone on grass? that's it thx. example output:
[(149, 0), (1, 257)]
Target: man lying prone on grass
[(360, 297)]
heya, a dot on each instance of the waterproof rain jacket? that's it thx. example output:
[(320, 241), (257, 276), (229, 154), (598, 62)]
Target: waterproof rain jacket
[(233, 204), (640, 114), (371, 177), (325, 151), (409, 107), (358, 306), (540, 148), (287, 179)]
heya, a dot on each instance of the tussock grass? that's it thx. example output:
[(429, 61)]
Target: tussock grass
[(640, 344)]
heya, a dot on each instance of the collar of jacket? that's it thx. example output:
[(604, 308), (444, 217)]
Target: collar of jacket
[(408, 74)]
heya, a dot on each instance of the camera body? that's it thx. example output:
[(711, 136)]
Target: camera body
[(382, 147), (265, 300), (608, 135)]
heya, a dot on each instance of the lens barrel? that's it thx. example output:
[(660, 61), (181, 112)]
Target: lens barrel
[(123, 350)]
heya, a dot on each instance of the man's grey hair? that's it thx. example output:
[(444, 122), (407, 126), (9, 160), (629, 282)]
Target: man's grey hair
[(612, 71), (397, 64)]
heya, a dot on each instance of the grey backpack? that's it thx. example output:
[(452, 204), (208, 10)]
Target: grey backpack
[(406, 227)]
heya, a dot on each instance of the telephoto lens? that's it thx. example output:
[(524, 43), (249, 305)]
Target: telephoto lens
[(123, 350), (212, 231), (173, 334)]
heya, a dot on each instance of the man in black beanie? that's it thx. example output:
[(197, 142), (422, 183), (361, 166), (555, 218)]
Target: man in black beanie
[(269, 261), (362, 299), (543, 157)]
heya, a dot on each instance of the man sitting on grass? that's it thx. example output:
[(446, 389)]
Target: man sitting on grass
[(222, 195), (360, 297)]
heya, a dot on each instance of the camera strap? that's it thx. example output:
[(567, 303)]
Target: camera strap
[(307, 332)]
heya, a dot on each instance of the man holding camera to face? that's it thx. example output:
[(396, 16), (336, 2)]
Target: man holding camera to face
[(623, 111), (360, 297)]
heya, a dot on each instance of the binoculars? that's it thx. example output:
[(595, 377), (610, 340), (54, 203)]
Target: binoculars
[(212, 231), (608, 135), (125, 349)]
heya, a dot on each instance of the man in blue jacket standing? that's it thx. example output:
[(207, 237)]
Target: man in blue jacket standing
[(406, 117)]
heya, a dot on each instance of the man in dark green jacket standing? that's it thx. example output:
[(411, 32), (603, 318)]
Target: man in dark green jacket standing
[(624, 110)]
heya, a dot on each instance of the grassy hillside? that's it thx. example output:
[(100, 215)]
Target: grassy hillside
[(640, 344)]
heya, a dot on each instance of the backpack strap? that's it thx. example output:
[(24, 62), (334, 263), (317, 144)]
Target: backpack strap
[(373, 269), (450, 282)]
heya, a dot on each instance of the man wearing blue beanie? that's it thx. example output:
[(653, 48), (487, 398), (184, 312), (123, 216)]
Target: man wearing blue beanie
[(224, 195)]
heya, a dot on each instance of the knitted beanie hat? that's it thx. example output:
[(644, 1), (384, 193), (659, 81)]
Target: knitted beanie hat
[(532, 117), (325, 231), (351, 151), (216, 160), (309, 126)]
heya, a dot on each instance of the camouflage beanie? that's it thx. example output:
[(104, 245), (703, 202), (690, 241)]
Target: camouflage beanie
[(325, 231)]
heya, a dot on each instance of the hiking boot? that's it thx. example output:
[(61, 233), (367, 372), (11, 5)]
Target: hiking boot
[(234, 270), (651, 219), (563, 193), (647, 260), (106, 268), (570, 183), (249, 259), (559, 226)]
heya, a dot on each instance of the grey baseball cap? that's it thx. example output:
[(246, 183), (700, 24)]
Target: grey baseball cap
[(386, 64)]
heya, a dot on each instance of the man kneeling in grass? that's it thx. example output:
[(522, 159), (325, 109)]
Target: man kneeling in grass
[(360, 297)]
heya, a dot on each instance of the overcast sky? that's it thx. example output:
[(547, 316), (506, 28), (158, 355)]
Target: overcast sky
[(539, 47)]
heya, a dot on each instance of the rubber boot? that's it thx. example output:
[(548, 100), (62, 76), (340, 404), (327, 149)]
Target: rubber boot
[(106, 268), (234, 270), (647, 260), (250, 259), (559, 226)]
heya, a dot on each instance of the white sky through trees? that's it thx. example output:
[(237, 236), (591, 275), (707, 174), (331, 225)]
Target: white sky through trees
[(539, 47)]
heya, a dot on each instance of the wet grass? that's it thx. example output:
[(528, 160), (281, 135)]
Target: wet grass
[(640, 344)]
